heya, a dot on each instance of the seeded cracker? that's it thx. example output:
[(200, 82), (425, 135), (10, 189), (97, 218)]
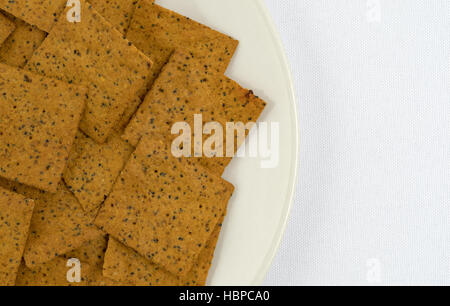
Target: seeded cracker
[(54, 273), (163, 207), (95, 54), (184, 89), (58, 225), (91, 252), (38, 121), (93, 168), (127, 266), (41, 13), (15, 216), (158, 31), (118, 12), (20, 45), (6, 28)]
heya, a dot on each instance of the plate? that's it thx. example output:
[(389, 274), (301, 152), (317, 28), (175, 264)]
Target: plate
[(260, 206)]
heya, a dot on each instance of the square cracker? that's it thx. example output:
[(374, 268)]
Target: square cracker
[(93, 168), (20, 45), (6, 28), (126, 266), (163, 207), (158, 31), (41, 13), (95, 54), (58, 225), (183, 89), (38, 121), (15, 216)]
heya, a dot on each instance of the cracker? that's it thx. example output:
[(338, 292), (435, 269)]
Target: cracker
[(163, 207), (91, 252), (54, 272), (6, 28), (45, 13), (20, 45), (93, 168), (38, 121), (126, 266), (95, 54), (158, 31), (41, 13), (15, 216), (117, 12), (58, 225), (183, 89)]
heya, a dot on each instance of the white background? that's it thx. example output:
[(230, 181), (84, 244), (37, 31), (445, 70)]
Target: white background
[(373, 198)]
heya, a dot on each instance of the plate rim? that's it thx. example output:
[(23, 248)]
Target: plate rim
[(276, 243)]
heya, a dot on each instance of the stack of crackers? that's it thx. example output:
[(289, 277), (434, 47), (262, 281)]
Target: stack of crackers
[(86, 169)]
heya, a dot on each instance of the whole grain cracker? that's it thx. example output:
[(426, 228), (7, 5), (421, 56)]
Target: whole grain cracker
[(163, 207), (183, 89), (6, 28), (125, 265), (20, 45), (158, 31), (41, 13), (117, 12), (58, 225), (93, 168), (45, 13), (91, 252), (15, 216), (38, 121), (54, 272), (95, 54)]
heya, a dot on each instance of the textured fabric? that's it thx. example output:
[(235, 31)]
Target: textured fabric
[(373, 197)]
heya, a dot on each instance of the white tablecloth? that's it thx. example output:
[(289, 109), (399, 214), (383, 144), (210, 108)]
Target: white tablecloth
[(373, 198)]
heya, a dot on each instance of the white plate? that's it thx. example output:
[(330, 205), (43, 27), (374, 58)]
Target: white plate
[(260, 206)]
